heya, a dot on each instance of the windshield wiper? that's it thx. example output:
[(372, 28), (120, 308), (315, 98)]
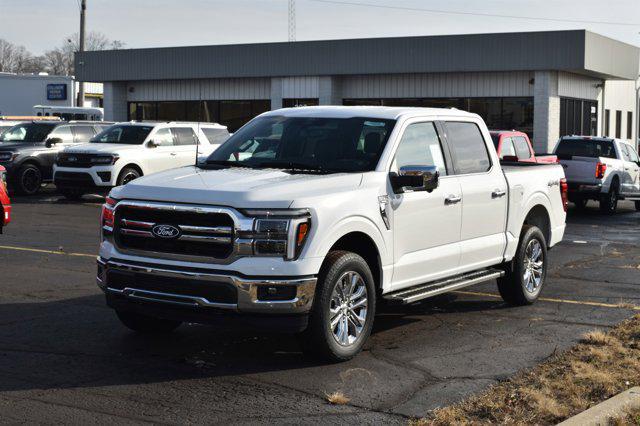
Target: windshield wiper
[(293, 166), (224, 164)]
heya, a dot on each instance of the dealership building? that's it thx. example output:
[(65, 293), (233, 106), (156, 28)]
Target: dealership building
[(547, 84)]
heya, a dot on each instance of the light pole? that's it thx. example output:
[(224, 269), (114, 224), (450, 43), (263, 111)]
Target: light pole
[(83, 9)]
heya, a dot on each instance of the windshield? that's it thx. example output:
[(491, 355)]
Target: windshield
[(130, 135), (27, 132), (306, 143), (586, 148)]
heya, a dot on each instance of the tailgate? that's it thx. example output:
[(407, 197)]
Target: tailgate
[(580, 169)]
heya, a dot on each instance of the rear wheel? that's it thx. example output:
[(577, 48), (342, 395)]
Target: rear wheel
[(343, 310), (28, 180), (127, 175), (145, 324), (525, 278), (609, 201)]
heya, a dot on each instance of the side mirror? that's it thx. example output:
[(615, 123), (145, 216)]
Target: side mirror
[(415, 178), (152, 144), (52, 141)]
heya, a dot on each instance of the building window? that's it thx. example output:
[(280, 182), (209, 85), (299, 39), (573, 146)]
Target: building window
[(607, 122), (498, 113), (292, 103), (233, 114), (629, 125), (618, 124), (578, 117)]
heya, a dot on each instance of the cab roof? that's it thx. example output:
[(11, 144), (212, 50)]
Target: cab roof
[(381, 112)]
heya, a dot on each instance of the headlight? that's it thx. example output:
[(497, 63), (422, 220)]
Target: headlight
[(8, 156), (104, 159), (3, 178), (279, 232)]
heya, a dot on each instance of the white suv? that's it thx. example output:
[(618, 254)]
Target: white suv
[(126, 151)]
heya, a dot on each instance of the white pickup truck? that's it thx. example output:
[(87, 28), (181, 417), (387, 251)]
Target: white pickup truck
[(601, 169), (306, 218)]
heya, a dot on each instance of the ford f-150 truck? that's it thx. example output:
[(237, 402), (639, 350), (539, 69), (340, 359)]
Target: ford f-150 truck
[(307, 217), (601, 169)]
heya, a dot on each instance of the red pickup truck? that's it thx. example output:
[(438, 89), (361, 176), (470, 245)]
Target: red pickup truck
[(512, 145), (5, 204)]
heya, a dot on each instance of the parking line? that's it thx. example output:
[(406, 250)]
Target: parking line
[(549, 299), (58, 252)]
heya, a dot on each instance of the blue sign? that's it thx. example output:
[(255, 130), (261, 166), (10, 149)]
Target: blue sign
[(56, 92)]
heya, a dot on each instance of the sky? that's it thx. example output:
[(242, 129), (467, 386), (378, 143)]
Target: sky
[(40, 25)]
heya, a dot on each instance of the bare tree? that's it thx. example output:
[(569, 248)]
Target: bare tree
[(61, 59), (14, 58)]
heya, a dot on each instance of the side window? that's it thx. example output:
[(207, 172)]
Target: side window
[(62, 132), (507, 148), (633, 154), (184, 136), (522, 148), (163, 137), (83, 134), (468, 148), (624, 149), (216, 136), (420, 146)]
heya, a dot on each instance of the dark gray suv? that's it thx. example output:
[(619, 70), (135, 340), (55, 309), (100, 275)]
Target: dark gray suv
[(28, 150)]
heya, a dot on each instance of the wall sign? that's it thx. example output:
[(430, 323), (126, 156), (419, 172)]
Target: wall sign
[(56, 92)]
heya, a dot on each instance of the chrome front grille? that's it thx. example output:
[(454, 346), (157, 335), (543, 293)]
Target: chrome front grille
[(182, 231)]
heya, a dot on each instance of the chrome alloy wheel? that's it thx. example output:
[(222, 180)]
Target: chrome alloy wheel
[(533, 266), (348, 308), (129, 177)]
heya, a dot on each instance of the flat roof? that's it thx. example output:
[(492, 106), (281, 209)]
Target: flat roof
[(577, 51)]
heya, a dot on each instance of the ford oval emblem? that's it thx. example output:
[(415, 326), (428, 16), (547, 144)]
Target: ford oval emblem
[(165, 231)]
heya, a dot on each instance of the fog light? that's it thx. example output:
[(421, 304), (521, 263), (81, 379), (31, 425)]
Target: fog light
[(105, 176), (274, 247), (277, 293)]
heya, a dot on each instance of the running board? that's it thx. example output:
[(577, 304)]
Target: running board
[(434, 288)]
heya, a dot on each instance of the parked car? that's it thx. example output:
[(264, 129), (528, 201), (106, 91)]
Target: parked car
[(512, 145), (28, 150), (601, 169), (306, 217), (127, 151), (5, 203)]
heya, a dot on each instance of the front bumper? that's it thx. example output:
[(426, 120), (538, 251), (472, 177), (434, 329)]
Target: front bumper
[(93, 177), (5, 211), (205, 290)]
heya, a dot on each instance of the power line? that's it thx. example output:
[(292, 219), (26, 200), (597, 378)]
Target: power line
[(493, 15)]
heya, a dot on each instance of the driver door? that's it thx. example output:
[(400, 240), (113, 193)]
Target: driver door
[(49, 153), (426, 225)]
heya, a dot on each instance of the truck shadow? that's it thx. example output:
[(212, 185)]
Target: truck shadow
[(77, 343)]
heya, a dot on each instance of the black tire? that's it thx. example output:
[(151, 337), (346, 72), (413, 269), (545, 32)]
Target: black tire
[(609, 201), (127, 175), (580, 203), (638, 206), (28, 180), (514, 287), (145, 324), (72, 194), (320, 339)]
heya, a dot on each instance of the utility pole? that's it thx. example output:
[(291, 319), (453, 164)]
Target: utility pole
[(83, 11), (292, 20)]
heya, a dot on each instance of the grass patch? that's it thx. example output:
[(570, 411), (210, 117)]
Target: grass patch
[(337, 398), (599, 367)]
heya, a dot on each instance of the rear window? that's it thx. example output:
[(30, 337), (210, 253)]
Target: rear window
[(585, 148)]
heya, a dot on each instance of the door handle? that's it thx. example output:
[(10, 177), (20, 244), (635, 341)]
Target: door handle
[(498, 193), (452, 199), (174, 154)]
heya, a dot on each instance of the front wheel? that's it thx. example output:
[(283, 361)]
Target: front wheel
[(127, 175), (28, 180), (343, 310), (145, 324), (525, 278)]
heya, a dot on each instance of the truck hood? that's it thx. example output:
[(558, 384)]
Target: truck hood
[(235, 187), (102, 148), (18, 146)]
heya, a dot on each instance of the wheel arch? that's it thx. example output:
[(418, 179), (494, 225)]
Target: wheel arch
[(131, 166), (363, 245), (538, 216)]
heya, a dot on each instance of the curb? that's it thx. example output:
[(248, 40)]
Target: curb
[(601, 414)]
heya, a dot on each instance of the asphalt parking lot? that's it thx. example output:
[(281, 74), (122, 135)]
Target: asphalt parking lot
[(64, 357)]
